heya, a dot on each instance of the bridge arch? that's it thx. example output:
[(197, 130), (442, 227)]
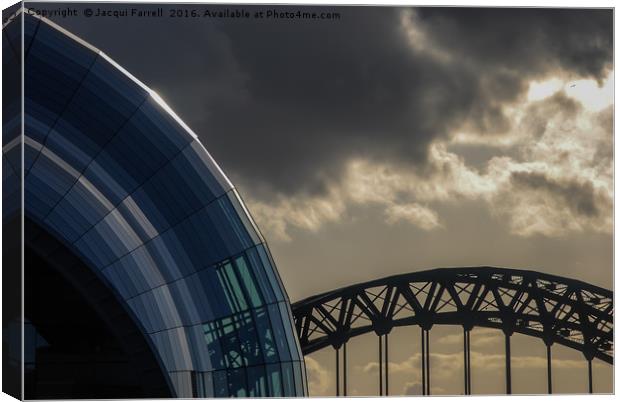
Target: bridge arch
[(553, 308)]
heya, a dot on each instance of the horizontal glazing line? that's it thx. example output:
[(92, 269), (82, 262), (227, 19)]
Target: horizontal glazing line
[(268, 322), (248, 310), (279, 365), (265, 366), (112, 137), (189, 216), (238, 368), (133, 192), (212, 266), (64, 109)]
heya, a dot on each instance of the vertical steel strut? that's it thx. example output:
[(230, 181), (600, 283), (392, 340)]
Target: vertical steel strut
[(387, 366), (344, 368), (590, 387), (466, 363), (508, 373), (423, 361), (549, 382), (428, 362), (337, 372), (380, 366)]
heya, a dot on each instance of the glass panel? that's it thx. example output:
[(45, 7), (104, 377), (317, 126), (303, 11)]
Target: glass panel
[(299, 386), (279, 335), (265, 335), (216, 294), (207, 169), (258, 270), (274, 375), (288, 380), (276, 284), (220, 383), (47, 182), (237, 382), (213, 345), (257, 381), (170, 254), (248, 281), (189, 303), (229, 226), (244, 215), (54, 69), (209, 392), (230, 342), (304, 377), (228, 282), (182, 383), (250, 346), (287, 323)]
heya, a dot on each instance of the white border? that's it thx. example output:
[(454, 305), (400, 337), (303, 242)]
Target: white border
[(478, 3)]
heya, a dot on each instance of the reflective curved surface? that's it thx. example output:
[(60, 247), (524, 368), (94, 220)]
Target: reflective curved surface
[(121, 181)]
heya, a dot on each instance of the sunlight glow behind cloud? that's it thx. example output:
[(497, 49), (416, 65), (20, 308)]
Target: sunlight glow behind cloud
[(557, 180), (588, 92), (541, 90)]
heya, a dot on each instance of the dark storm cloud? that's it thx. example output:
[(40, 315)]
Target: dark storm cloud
[(579, 197), (283, 104), (357, 88), (527, 40)]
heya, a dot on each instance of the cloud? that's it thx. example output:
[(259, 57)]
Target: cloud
[(285, 107), (415, 388), (448, 365), (481, 338), (591, 95), (556, 179), (311, 119), (415, 214), (579, 197), (277, 216), (398, 191), (532, 41), (319, 378), (561, 182), (412, 388)]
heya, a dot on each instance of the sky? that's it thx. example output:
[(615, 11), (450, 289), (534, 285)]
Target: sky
[(393, 140)]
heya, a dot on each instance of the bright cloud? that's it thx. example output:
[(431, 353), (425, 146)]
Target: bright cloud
[(557, 181), (539, 90), (447, 365), (319, 378), (592, 95), (415, 214), (482, 337)]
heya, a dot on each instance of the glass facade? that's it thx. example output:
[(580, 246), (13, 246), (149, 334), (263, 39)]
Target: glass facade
[(113, 174), (12, 322)]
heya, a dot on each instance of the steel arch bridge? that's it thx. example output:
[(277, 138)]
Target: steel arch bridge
[(553, 308)]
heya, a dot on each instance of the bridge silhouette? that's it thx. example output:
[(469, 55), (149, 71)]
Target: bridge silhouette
[(553, 308)]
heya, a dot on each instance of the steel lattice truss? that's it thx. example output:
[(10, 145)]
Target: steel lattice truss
[(555, 309)]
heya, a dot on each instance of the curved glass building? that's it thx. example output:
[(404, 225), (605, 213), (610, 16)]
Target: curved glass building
[(144, 272)]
